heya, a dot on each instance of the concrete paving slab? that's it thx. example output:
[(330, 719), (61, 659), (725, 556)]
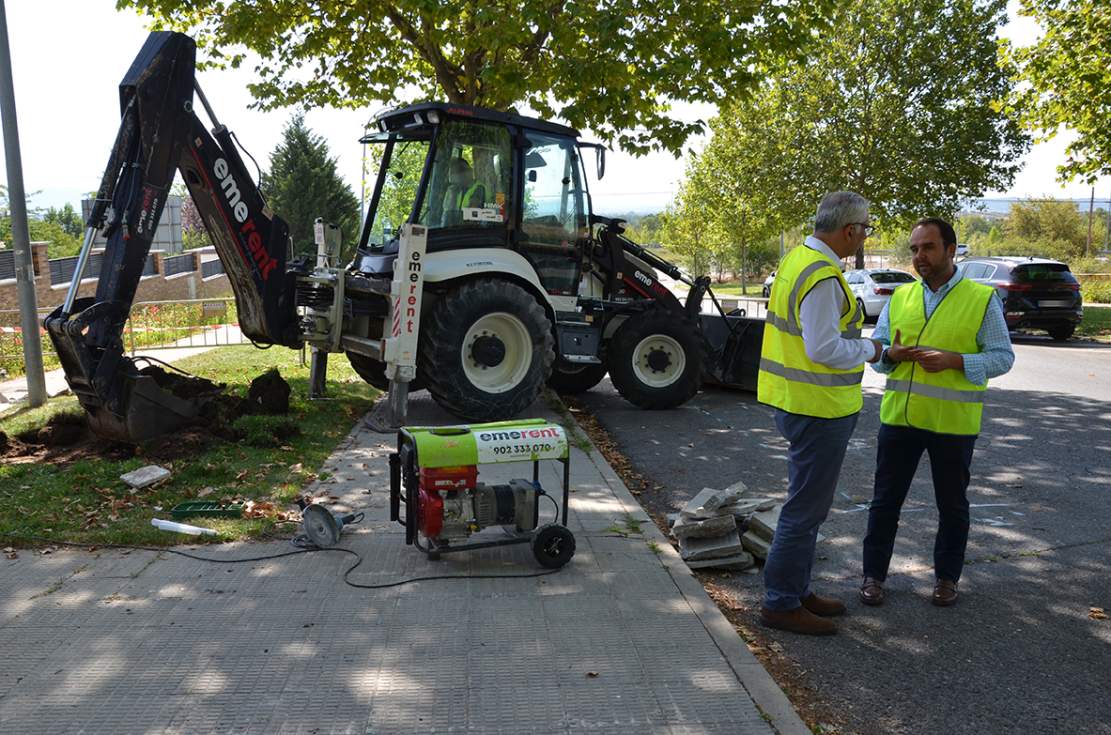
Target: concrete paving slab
[(623, 639), (693, 549)]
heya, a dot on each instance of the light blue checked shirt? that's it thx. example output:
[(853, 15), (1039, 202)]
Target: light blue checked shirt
[(994, 340)]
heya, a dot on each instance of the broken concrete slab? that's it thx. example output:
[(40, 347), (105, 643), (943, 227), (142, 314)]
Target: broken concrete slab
[(756, 545), (694, 528), (745, 506), (704, 504), (693, 549), (736, 490), (738, 562), (145, 476), (764, 522)]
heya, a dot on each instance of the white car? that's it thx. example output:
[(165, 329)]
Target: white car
[(873, 288)]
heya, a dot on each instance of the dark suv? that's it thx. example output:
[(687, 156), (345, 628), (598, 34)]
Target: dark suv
[(1037, 293)]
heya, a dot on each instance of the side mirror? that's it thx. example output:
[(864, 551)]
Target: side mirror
[(600, 161)]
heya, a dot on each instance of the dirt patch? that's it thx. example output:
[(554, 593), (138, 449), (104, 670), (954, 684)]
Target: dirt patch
[(789, 675), (67, 438)]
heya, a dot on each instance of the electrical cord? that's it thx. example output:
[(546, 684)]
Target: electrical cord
[(300, 542)]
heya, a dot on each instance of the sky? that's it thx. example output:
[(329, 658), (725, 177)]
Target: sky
[(68, 57)]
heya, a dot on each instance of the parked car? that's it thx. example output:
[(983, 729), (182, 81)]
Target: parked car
[(873, 288), (1037, 293), (767, 292)]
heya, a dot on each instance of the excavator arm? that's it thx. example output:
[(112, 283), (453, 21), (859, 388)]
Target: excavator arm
[(159, 135)]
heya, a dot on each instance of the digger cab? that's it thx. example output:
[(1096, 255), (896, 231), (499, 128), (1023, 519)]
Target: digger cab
[(478, 178)]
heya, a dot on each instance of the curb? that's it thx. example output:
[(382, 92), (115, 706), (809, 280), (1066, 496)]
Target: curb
[(749, 671)]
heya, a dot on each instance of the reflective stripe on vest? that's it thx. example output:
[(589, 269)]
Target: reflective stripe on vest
[(945, 402), (805, 376), (788, 378)]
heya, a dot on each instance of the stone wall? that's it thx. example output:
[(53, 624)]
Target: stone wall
[(178, 287)]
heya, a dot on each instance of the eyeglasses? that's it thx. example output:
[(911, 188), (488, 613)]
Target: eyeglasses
[(868, 229)]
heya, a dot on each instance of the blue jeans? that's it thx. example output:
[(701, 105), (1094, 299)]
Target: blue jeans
[(813, 465)]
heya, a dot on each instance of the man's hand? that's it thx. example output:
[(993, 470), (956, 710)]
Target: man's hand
[(934, 361), (901, 353)]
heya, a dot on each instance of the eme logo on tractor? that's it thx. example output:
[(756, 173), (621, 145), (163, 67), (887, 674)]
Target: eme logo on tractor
[(412, 299), (239, 211)]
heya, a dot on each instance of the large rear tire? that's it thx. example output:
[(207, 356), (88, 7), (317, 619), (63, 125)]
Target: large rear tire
[(486, 350), (656, 359), (374, 372), (571, 379)]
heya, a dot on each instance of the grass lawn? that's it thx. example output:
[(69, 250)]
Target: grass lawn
[(84, 500), (1096, 323), (733, 288)]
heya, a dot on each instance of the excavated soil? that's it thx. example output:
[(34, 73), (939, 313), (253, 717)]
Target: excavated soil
[(66, 437)]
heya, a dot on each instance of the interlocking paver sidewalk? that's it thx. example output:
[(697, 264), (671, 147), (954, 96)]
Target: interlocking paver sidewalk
[(622, 640)]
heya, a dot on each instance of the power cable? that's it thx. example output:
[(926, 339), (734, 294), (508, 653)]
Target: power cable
[(302, 549)]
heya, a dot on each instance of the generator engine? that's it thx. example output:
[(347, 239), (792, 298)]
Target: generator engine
[(453, 505)]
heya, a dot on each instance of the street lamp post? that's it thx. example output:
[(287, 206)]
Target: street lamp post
[(21, 240)]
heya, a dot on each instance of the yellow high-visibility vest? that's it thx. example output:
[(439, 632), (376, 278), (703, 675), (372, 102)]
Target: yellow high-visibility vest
[(788, 379), (465, 196), (945, 402)]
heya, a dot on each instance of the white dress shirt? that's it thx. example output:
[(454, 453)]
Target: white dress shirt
[(820, 318)]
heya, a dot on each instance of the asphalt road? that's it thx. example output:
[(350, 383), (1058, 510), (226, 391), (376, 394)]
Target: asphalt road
[(1018, 653)]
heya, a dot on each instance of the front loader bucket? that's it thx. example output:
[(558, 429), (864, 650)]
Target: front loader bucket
[(734, 343)]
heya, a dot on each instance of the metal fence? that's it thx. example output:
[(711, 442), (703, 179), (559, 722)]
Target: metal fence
[(188, 323), (151, 325), (178, 264), (62, 269), (7, 264), (210, 268)]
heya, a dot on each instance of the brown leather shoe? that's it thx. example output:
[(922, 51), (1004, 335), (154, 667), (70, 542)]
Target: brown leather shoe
[(827, 607), (945, 593), (799, 620), (871, 592)]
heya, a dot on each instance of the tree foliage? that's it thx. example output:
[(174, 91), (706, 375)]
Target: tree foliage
[(1068, 81), (610, 66), (900, 101), (303, 184), (67, 218)]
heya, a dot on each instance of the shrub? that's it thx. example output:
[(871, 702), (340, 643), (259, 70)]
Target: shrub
[(1096, 292)]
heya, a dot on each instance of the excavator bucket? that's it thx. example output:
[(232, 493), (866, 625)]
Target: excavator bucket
[(123, 403)]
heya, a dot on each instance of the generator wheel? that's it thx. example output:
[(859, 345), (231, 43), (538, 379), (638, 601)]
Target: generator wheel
[(487, 350), (374, 372), (553, 545), (656, 359), (571, 379)]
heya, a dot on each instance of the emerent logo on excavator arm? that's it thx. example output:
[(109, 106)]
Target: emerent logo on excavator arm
[(248, 231)]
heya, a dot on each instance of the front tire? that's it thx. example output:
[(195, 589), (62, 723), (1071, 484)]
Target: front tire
[(571, 379), (656, 359), (1061, 332), (487, 350)]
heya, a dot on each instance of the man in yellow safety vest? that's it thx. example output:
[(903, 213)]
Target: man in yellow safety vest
[(811, 363), (950, 338)]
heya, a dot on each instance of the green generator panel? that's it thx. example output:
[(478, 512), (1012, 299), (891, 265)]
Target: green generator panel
[(472, 444)]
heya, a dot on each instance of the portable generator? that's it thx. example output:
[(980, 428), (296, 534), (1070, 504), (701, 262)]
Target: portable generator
[(434, 474)]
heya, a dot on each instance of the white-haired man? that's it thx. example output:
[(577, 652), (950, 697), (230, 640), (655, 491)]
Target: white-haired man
[(811, 364)]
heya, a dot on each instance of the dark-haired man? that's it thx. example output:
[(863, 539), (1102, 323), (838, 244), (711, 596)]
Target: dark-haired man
[(950, 338)]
